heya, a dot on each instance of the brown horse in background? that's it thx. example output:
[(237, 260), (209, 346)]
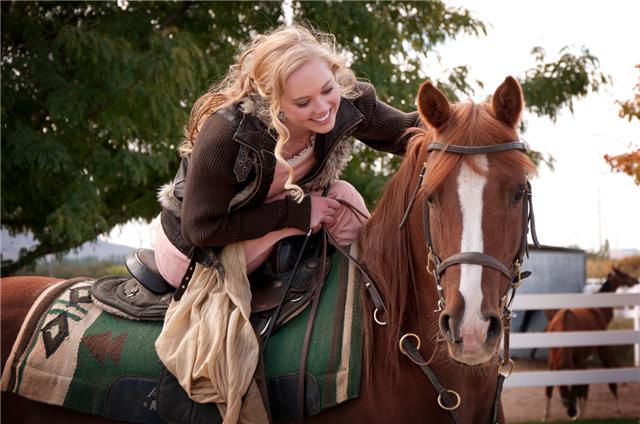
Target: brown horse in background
[(475, 204), (574, 398)]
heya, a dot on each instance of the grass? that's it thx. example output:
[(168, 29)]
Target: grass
[(623, 354)]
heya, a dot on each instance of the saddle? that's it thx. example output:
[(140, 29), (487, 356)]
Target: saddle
[(280, 292), (145, 295)]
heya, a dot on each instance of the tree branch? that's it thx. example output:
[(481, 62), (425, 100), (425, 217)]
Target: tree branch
[(11, 267), (181, 10)]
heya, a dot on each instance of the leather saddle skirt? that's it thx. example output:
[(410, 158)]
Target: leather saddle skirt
[(146, 295)]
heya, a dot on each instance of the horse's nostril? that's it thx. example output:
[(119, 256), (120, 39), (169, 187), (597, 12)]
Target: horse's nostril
[(495, 328), (445, 326)]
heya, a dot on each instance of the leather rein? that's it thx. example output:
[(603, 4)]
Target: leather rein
[(449, 399)]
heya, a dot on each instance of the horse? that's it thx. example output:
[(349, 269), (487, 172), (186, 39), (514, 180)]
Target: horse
[(574, 398), (439, 260)]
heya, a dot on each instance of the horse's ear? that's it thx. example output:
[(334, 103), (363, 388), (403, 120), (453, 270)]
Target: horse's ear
[(508, 102), (433, 106)]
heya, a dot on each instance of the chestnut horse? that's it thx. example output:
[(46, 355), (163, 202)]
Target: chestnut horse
[(574, 398), (443, 248)]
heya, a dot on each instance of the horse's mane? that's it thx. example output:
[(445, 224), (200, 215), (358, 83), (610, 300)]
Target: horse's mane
[(384, 245)]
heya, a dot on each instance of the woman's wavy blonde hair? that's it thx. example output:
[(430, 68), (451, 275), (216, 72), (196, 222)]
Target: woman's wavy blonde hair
[(256, 82)]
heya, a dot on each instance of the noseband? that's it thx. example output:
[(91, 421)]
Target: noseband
[(438, 266)]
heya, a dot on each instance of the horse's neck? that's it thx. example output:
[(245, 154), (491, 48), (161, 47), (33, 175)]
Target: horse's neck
[(609, 286)]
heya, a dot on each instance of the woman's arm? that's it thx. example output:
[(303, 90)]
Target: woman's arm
[(384, 127), (210, 186)]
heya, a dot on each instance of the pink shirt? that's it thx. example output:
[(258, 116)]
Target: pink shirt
[(172, 264)]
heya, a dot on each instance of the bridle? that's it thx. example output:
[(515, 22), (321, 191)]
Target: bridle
[(449, 399), (437, 266)]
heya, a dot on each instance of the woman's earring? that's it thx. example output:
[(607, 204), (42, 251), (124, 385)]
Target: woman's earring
[(281, 116)]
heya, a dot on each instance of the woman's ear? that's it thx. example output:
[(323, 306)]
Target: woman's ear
[(433, 106), (508, 102)]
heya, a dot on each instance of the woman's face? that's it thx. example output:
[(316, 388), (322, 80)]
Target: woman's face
[(311, 99)]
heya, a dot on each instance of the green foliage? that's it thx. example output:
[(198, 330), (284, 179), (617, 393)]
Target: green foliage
[(387, 43), (550, 86), (94, 99), (95, 96)]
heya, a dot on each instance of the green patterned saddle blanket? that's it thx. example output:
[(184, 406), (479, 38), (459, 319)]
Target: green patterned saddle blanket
[(72, 354)]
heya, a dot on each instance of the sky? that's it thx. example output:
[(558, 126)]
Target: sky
[(581, 203)]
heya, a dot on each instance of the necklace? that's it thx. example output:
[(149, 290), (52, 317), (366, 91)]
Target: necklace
[(298, 148)]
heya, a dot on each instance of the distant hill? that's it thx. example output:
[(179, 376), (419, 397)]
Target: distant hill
[(623, 253), (98, 249)]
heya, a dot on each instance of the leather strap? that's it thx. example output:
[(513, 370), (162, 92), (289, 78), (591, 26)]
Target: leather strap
[(474, 258), (186, 279), (313, 312), (496, 402), (412, 352), (477, 150), (274, 317)]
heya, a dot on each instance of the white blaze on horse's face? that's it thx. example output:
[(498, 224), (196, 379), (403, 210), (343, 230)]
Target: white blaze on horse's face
[(473, 328)]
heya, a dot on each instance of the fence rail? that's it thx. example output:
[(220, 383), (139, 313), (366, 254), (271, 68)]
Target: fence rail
[(559, 378), (576, 339), (565, 300)]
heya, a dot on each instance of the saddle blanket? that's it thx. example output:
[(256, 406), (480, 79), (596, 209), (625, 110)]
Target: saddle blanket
[(72, 354)]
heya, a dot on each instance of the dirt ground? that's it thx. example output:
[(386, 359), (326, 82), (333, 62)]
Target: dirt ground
[(527, 404)]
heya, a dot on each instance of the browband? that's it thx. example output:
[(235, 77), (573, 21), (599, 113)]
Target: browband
[(511, 145)]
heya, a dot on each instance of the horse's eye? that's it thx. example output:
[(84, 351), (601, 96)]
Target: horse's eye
[(519, 194)]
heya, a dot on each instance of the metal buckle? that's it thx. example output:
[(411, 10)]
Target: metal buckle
[(517, 273), (449, 408), (441, 305), (432, 259), (131, 293), (264, 330)]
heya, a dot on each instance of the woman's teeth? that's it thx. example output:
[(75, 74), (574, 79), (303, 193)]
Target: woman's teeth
[(323, 117)]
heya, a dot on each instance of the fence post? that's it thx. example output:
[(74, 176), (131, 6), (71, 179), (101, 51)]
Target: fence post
[(636, 327)]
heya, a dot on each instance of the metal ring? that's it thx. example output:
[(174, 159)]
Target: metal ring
[(449, 408), (375, 318), (415, 336), (502, 367)]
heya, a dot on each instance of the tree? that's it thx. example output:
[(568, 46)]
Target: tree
[(95, 96), (629, 163)]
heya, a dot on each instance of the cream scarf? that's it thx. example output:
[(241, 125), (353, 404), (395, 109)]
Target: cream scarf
[(208, 343)]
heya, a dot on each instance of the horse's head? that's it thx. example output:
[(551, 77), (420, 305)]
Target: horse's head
[(619, 278), (476, 212)]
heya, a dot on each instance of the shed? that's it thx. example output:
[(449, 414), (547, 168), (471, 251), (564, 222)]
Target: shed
[(554, 270)]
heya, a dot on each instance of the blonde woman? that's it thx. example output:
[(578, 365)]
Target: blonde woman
[(264, 142), (259, 150)]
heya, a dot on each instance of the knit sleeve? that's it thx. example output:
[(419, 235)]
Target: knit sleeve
[(210, 187), (384, 127)]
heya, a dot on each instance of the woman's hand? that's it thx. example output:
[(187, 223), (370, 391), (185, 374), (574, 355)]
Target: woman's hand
[(323, 210)]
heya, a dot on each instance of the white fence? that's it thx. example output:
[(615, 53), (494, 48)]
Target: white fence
[(577, 338)]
